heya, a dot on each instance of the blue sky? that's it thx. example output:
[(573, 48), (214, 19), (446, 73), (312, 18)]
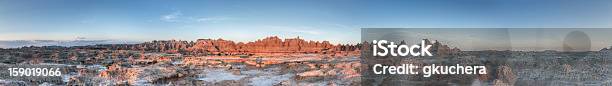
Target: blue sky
[(338, 21)]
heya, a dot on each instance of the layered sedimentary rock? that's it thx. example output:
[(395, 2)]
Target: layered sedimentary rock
[(227, 47), (268, 45)]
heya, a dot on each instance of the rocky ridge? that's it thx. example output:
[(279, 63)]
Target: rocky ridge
[(268, 45)]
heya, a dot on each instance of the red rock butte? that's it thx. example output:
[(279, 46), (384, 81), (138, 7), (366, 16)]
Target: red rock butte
[(268, 45)]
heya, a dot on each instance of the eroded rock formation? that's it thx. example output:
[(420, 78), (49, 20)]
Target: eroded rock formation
[(268, 45), (505, 76)]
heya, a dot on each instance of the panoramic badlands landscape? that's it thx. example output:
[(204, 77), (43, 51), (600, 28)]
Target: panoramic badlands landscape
[(287, 62), (265, 62)]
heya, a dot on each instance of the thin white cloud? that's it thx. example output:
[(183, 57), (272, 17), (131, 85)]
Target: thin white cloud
[(172, 17), (178, 16)]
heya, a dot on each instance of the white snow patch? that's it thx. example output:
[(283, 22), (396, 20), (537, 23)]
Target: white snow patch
[(269, 80), (220, 75)]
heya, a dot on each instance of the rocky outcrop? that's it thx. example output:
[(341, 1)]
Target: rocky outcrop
[(268, 45), (505, 76), (440, 49), (140, 75), (340, 70)]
